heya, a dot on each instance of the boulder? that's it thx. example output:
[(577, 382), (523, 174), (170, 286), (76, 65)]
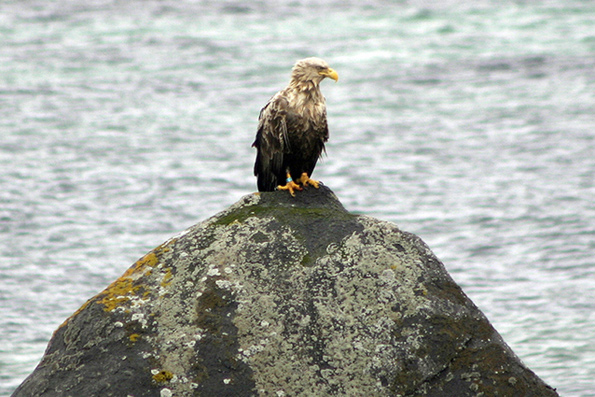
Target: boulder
[(283, 296)]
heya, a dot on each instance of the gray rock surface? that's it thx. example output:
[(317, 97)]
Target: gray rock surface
[(283, 296)]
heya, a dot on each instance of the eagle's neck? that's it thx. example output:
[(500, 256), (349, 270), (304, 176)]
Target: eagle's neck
[(306, 86)]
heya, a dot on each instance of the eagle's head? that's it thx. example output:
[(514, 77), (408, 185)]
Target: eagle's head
[(312, 71)]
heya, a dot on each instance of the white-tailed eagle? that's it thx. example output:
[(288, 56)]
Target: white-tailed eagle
[(292, 130)]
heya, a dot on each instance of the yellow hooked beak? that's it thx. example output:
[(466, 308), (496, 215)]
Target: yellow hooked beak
[(329, 73)]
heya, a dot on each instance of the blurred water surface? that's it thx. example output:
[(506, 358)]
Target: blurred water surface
[(470, 124)]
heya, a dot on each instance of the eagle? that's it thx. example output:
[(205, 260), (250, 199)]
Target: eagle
[(292, 130)]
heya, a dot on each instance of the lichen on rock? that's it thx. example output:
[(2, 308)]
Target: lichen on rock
[(281, 295)]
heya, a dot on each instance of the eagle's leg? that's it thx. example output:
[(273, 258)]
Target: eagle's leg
[(290, 185), (305, 180)]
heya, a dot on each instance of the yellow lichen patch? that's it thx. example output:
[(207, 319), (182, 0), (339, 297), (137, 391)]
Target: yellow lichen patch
[(421, 290), (163, 376), (149, 260), (165, 246), (116, 293), (167, 277), (134, 337), (74, 314)]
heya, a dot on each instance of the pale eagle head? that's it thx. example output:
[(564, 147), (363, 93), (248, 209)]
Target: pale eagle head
[(312, 70)]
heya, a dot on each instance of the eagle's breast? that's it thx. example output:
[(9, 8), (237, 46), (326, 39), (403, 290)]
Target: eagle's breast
[(308, 107)]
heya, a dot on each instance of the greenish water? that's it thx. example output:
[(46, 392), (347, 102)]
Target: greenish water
[(470, 124)]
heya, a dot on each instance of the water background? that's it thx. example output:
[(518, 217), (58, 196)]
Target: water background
[(468, 123)]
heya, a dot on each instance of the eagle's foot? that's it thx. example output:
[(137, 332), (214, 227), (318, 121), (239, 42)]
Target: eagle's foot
[(305, 180), (290, 185)]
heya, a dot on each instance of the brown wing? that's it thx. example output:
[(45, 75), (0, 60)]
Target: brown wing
[(272, 144)]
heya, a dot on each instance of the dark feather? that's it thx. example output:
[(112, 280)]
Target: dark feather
[(272, 143)]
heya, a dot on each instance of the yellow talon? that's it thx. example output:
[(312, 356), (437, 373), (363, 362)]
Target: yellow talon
[(291, 186), (305, 180)]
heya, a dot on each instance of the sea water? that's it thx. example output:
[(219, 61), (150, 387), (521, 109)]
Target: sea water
[(468, 123)]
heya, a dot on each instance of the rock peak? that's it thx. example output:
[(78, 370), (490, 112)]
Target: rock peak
[(281, 295)]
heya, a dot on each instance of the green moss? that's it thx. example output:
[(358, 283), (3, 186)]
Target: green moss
[(282, 213), (307, 261), (312, 227), (240, 215)]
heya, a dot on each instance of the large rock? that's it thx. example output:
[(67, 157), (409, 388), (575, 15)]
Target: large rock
[(283, 296)]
